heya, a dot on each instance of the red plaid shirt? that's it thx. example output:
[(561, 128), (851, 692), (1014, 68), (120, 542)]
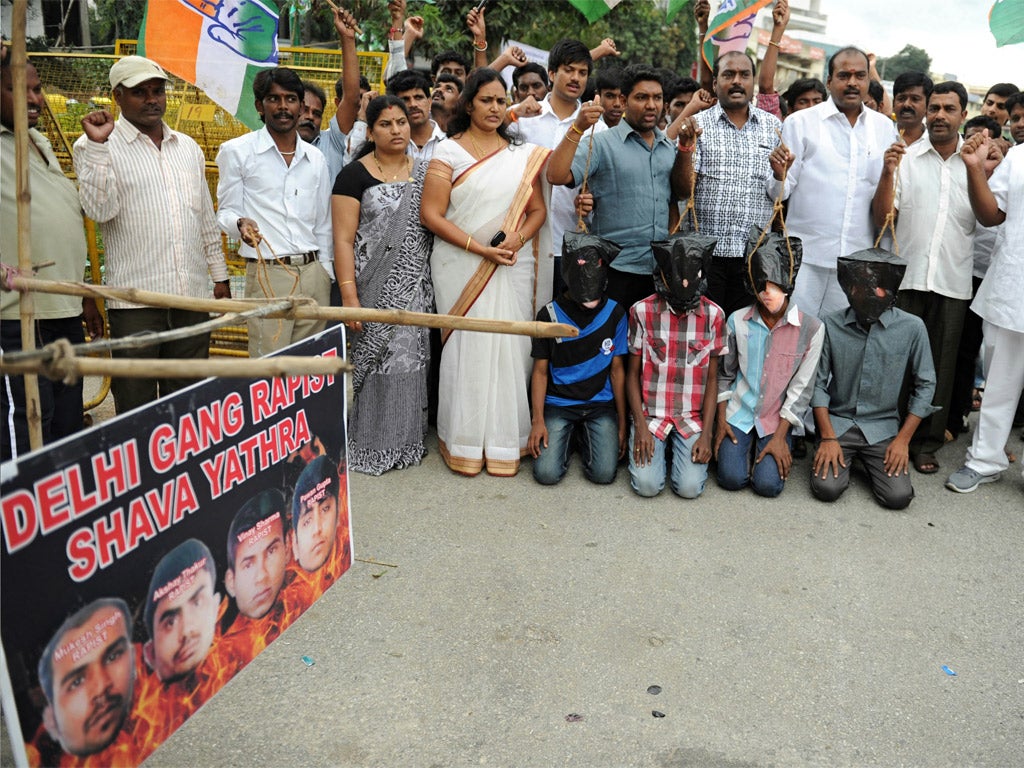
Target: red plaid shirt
[(675, 353)]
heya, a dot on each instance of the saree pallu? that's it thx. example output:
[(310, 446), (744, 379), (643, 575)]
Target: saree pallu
[(483, 417)]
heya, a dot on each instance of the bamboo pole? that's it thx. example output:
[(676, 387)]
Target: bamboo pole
[(302, 308), (147, 338), (26, 308), (142, 368)]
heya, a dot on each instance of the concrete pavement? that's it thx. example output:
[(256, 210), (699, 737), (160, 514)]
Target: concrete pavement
[(781, 632)]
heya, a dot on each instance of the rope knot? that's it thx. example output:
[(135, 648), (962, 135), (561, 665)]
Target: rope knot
[(61, 365)]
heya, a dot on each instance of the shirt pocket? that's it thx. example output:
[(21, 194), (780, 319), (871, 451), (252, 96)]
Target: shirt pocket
[(697, 352), (658, 349)]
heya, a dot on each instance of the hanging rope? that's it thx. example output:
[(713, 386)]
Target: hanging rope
[(890, 217), (691, 207), (581, 226), (778, 212), (263, 279)]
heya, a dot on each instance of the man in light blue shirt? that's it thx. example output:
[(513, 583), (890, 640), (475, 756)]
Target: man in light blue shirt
[(630, 174)]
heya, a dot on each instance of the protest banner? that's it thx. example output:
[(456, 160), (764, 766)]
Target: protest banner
[(146, 561)]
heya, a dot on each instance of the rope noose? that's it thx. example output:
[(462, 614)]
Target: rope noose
[(777, 213), (890, 217)]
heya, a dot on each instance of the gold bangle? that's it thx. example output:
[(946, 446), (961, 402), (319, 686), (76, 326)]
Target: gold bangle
[(772, 42), (346, 282), (568, 137), (522, 240), (468, 241), (573, 126)]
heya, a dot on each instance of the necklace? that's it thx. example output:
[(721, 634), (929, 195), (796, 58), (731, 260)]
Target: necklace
[(480, 153), (406, 167), (287, 153)]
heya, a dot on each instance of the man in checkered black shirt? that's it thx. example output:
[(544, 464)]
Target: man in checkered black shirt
[(727, 148), (675, 338)]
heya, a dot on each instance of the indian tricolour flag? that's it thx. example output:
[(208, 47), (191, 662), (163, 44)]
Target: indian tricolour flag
[(217, 45), (594, 9), (730, 28)]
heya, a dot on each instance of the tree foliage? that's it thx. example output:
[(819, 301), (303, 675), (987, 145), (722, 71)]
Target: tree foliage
[(910, 59), (638, 28), (116, 19)]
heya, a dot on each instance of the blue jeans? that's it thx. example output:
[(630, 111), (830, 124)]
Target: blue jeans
[(686, 477), (736, 468), (598, 442)]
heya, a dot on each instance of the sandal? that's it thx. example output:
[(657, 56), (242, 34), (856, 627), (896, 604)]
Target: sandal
[(976, 399), (926, 463)]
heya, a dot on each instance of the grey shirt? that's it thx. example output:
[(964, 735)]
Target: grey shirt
[(860, 373)]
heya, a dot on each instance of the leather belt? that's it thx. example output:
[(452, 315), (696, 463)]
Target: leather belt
[(300, 259), (295, 259)]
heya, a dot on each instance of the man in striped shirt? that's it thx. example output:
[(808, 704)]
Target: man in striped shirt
[(145, 185), (766, 378)]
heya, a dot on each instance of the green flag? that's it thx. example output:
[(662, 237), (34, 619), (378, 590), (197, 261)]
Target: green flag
[(594, 9), (1006, 20), (674, 7)]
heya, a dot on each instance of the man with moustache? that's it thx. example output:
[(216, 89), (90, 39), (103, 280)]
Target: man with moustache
[(331, 140), (728, 148), (910, 92), (1000, 303), (58, 236), (836, 148), (413, 88), (274, 186), (447, 89), (87, 673), (935, 229), (632, 173), (145, 185), (181, 611)]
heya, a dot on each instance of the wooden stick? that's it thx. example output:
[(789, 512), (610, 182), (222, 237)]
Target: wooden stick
[(26, 310), (302, 308), (142, 368), (334, 7), (148, 338)]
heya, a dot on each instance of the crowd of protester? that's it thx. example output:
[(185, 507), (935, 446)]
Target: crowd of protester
[(765, 272)]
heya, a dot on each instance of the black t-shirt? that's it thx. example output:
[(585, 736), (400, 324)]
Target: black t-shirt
[(353, 180)]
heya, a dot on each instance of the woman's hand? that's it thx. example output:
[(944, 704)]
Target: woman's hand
[(500, 255), (350, 300)]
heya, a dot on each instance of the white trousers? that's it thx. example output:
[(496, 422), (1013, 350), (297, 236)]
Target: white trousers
[(1003, 353), (817, 291)]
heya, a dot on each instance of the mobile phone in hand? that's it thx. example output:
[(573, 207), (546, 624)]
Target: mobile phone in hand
[(498, 239)]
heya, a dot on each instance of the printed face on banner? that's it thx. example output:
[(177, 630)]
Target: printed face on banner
[(132, 521), (315, 532), (183, 627), (93, 675), (258, 573)]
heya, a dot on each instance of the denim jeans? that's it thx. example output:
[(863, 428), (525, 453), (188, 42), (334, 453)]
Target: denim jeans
[(686, 477), (736, 468), (598, 442)]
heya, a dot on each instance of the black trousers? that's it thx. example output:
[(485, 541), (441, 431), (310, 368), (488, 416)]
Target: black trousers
[(61, 403)]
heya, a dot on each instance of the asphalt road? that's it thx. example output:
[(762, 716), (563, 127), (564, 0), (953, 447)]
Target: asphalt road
[(525, 626)]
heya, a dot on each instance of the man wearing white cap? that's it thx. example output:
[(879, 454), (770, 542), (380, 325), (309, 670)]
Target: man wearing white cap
[(145, 185)]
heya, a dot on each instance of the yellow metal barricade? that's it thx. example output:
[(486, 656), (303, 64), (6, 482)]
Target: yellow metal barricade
[(76, 84)]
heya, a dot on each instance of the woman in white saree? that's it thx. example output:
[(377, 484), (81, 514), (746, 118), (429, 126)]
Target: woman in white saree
[(483, 201)]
